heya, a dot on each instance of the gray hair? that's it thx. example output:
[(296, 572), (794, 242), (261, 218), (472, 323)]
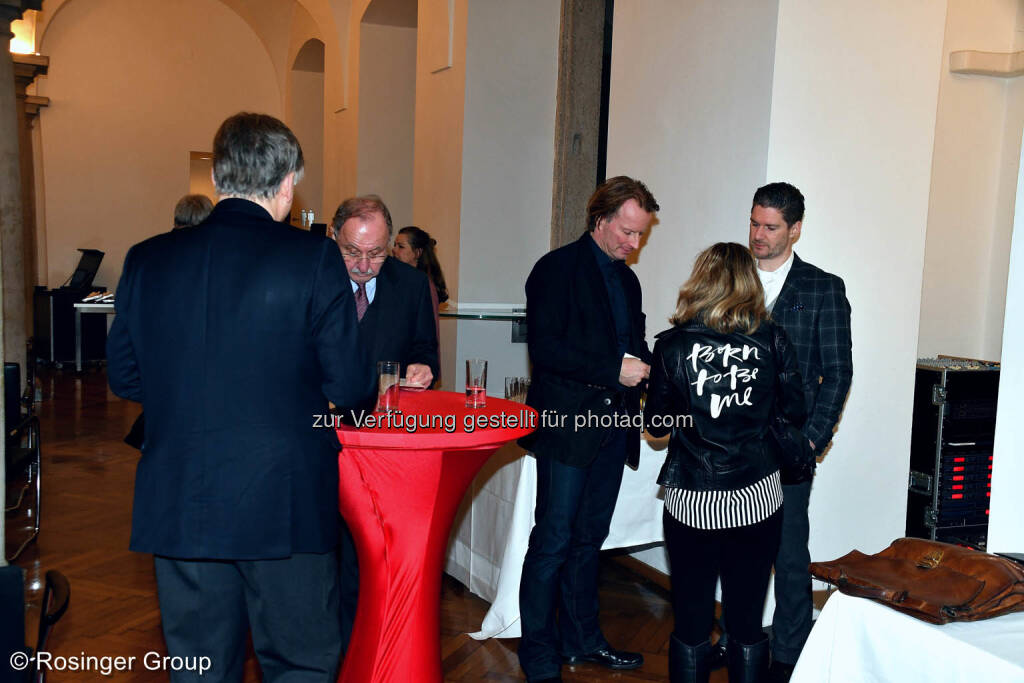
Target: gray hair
[(192, 209), (252, 154), (361, 207)]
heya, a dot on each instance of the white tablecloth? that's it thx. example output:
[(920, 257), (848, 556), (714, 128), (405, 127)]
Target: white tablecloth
[(493, 529), (856, 640)]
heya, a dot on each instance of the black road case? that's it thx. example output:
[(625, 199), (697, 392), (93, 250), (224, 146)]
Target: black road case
[(951, 450)]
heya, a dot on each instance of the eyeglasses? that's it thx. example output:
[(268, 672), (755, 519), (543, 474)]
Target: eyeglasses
[(374, 256)]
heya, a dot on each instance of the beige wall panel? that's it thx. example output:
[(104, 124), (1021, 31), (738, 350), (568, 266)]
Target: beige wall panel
[(437, 174), (134, 87), (306, 119), (973, 181), (387, 103)]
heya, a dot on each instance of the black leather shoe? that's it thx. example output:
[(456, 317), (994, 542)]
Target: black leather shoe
[(553, 679), (611, 658), (717, 658)]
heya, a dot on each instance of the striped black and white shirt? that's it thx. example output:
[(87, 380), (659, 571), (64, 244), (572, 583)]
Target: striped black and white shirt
[(726, 509)]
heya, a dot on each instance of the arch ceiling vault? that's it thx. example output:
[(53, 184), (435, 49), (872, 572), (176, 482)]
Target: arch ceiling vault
[(325, 20)]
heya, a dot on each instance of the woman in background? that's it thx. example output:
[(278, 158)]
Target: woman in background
[(416, 247), (718, 377)]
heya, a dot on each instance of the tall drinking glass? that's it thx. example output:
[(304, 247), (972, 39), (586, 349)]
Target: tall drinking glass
[(388, 375), (476, 383)]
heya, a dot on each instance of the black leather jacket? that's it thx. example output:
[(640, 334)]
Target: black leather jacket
[(729, 384)]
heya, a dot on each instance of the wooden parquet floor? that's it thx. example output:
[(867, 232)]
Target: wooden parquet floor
[(88, 475)]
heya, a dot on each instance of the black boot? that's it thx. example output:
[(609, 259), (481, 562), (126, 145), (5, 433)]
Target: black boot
[(748, 663), (688, 663)]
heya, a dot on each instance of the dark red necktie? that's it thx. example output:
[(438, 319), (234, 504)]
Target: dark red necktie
[(362, 303)]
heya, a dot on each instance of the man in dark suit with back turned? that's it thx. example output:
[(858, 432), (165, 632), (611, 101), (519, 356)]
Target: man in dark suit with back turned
[(811, 306), (396, 322), (234, 335), (588, 347)]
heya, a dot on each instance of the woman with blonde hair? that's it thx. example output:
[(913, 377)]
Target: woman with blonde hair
[(719, 376)]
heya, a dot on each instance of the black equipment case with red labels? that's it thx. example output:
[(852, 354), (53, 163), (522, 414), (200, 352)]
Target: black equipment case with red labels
[(951, 450)]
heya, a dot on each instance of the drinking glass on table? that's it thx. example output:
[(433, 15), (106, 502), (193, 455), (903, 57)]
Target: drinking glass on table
[(476, 383), (511, 387), (388, 376), (516, 388)]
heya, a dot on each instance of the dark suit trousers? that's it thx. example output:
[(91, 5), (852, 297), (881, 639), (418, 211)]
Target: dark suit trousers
[(573, 514), (794, 608), (348, 584), (290, 605)]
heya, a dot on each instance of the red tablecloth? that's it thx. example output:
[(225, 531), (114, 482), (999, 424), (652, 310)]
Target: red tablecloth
[(402, 476)]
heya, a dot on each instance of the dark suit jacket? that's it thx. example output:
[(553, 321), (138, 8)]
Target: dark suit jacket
[(399, 324), (574, 352), (233, 335), (813, 309)]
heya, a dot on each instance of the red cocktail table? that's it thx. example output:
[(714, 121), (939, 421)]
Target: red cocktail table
[(400, 487)]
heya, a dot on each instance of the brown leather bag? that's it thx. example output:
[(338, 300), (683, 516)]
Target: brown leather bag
[(936, 582)]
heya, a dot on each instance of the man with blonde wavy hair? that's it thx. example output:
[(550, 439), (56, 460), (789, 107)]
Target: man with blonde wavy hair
[(589, 356)]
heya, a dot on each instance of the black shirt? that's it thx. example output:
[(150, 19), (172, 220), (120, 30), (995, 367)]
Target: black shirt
[(610, 271)]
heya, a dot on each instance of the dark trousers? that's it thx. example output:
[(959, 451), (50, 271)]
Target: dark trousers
[(348, 583), (742, 556), (794, 608), (574, 511), (290, 605)]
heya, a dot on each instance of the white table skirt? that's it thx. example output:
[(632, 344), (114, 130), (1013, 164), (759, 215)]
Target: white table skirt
[(856, 640), (493, 529)]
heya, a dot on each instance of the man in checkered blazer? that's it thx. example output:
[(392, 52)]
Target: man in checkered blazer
[(812, 308)]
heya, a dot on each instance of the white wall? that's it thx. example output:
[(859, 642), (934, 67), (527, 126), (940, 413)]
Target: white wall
[(853, 121), (1006, 533), (1007, 507), (508, 149), (387, 99), (507, 164), (133, 88), (689, 114), (691, 89), (972, 189)]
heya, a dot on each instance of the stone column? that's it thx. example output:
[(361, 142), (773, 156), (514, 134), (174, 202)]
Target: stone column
[(12, 259), (14, 321), (26, 69), (577, 116)]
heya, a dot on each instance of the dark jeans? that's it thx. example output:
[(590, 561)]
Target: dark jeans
[(574, 510), (742, 556), (794, 608), (290, 605)]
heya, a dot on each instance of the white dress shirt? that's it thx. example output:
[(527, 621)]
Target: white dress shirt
[(772, 281), (371, 289)]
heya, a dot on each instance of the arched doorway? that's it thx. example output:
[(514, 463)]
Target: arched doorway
[(306, 119)]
